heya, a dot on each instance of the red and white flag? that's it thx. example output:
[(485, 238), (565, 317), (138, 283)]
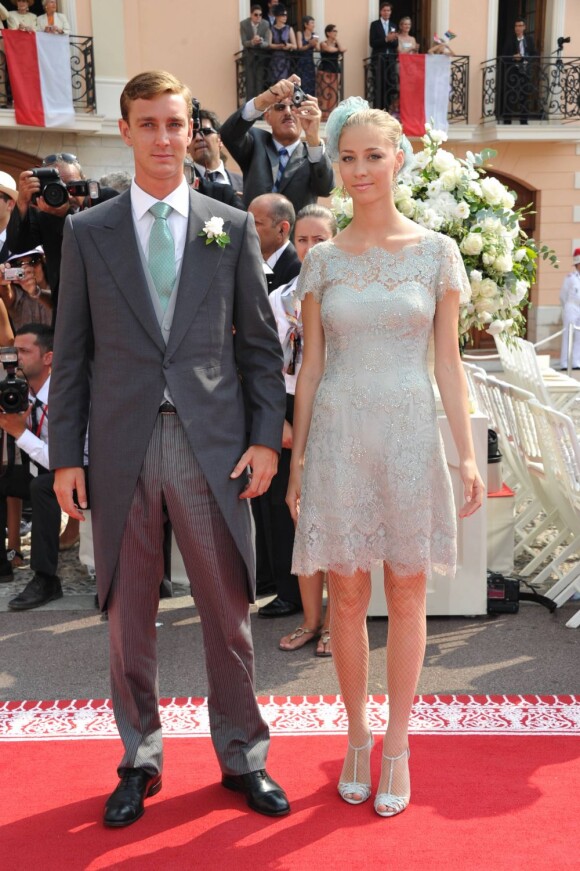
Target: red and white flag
[(425, 81), (40, 77)]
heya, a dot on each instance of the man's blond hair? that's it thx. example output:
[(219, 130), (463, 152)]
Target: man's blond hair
[(148, 85)]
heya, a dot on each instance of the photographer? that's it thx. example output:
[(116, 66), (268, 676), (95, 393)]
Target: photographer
[(279, 162), (34, 222), (33, 480), (28, 298)]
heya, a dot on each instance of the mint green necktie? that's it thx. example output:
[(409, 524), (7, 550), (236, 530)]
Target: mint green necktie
[(162, 253)]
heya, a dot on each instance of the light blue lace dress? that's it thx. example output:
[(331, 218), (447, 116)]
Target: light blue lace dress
[(375, 484)]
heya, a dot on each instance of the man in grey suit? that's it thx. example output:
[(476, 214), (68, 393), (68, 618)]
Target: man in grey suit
[(280, 162), (157, 332), (254, 33)]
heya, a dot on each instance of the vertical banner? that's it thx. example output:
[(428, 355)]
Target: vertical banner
[(40, 78)]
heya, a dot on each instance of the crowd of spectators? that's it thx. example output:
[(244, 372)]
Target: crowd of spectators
[(283, 169), (22, 18), (273, 50)]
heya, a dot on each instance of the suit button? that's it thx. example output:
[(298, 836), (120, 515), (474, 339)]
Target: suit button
[(167, 364)]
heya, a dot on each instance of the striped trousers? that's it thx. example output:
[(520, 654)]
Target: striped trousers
[(172, 481)]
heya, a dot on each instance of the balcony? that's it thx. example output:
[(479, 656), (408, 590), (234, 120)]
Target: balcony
[(537, 89), (82, 67), (321, 75), (381, 76)]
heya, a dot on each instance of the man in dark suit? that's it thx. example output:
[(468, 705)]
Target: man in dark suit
[(384, 49), (156, 332), (209, 164), (275, 216), (279, 161), (516, 74), (8, 197)]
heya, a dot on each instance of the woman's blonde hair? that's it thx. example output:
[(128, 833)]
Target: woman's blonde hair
[(376, 118)]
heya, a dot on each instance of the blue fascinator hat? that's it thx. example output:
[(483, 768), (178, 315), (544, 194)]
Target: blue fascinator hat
[(338, 118)]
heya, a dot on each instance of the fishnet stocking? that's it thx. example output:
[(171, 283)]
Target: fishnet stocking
[(348, 628), (406, 641)]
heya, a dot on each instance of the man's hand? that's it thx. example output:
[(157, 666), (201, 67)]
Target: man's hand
[(309, 114), (280, 91), (65, 481), (287, 435), (263, 463), (3, 281), (28, 185), (14, 424)]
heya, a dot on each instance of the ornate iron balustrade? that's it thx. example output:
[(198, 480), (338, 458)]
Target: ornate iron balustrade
[(82, 64), (382, 85), (321, 74), (535, 88)]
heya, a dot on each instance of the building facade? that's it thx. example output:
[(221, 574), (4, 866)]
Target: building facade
[(540, 160)]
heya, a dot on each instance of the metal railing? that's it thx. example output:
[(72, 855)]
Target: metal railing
[(533, 89), (82, 65), (381, 76), (322, 75)]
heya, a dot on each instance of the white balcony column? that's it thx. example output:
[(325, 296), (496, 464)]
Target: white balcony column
[(109, 47)]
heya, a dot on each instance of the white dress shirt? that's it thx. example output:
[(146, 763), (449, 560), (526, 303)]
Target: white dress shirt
[(273, 258), (221, 179)]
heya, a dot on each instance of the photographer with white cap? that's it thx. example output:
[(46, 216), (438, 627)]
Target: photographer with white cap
[(570, 299)]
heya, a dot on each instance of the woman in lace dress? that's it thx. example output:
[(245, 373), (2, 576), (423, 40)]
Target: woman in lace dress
[(369, 480)]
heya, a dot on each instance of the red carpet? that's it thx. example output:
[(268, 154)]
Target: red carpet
[(480, 801)]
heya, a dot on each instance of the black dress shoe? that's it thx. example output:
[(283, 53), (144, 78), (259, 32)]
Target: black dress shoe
[(125, 805), (279, 608), (40, 590), (262, 793)]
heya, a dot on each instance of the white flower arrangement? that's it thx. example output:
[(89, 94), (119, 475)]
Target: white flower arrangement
[(213, 230), (454, 196)]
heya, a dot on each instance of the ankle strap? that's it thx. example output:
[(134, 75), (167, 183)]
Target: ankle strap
[(406, 752), (364, 746)]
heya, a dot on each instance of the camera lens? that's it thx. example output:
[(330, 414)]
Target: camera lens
[(55, 194), (11, 400)]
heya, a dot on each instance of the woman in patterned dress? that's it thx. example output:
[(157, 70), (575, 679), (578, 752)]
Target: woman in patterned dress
[(369, 480)]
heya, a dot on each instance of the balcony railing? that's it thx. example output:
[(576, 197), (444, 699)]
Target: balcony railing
[(321, 74), (82, 66), (382, 85), (535, 89)]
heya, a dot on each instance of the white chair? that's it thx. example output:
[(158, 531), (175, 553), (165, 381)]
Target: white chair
[(561, 451), (519, 360)]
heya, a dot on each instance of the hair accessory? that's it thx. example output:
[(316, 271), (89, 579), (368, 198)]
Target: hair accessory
[(407, 150), (338, 118), (576, 257)]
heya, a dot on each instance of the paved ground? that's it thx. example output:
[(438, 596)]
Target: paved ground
[(60, 651)]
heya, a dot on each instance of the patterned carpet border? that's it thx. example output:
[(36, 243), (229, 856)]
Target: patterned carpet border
[(303, 715)]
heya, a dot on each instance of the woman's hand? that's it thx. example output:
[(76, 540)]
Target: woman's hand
[(287, 435), (293, 493), (473, 488)]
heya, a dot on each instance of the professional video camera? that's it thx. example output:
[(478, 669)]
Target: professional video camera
[(56, 192), (13, 390), (562, 40)]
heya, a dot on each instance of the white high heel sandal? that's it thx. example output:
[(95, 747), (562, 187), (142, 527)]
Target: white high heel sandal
[(394, 804), (348, 789)]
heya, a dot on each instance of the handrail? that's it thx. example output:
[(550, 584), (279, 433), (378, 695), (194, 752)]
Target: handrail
[(550, 338), (535, 88)]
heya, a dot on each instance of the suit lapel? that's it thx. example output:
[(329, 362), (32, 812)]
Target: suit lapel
[(199, 265), (117, 243)]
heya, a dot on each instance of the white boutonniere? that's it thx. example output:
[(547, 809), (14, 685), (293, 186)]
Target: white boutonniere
[(213, 230)]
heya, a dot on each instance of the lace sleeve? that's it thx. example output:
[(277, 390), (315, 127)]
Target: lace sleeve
[(452, 274), (310, 278)]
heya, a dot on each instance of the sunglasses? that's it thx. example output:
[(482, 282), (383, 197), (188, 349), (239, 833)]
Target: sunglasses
[(206, 131), (57, 158), (281, 107)]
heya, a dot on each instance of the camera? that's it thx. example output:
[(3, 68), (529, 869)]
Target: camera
[(52, 188), (56, 193), (14, 273), (13, 390), (298, 96), (562, 40)]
